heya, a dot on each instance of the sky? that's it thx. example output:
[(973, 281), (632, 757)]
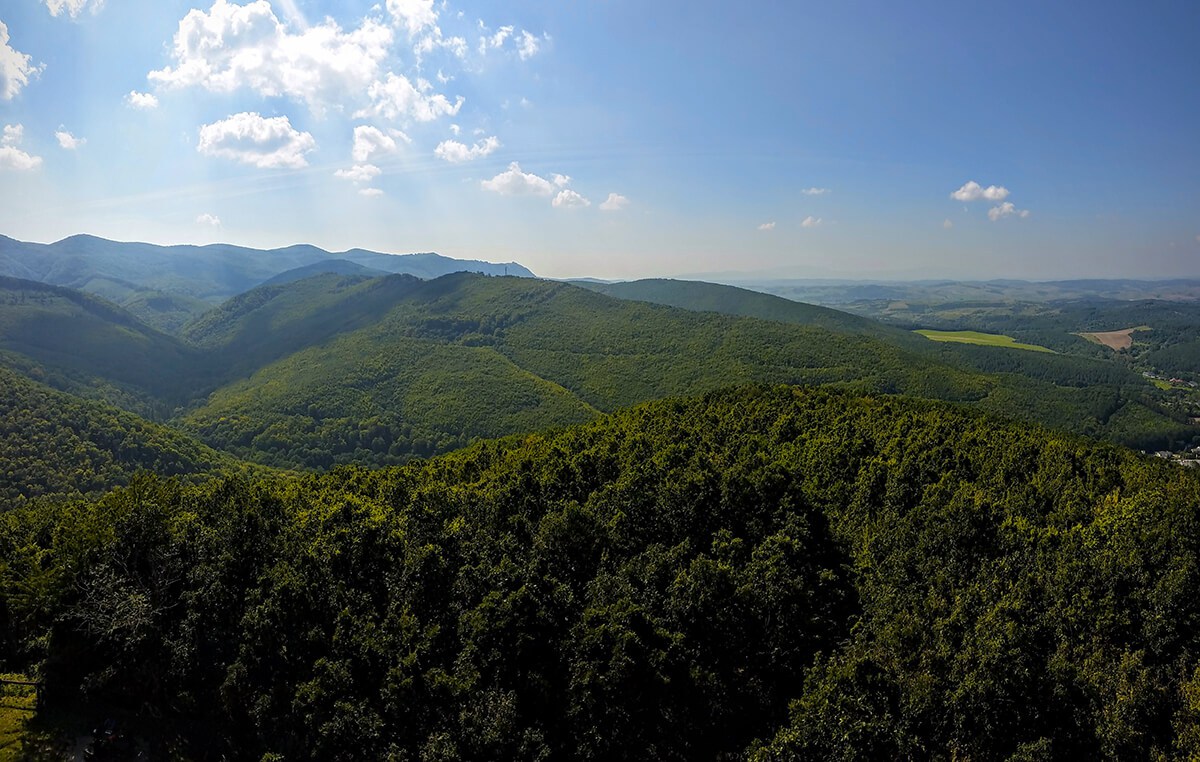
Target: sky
[(618, 138)]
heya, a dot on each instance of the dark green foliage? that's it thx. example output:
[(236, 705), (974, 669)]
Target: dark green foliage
[(54, 444), (90, 343), (766, 573)]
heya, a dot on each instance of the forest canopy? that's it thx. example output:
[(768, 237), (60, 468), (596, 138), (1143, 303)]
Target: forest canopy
[(763, 572)]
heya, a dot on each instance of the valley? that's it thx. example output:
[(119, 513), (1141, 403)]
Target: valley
[(420, 505)]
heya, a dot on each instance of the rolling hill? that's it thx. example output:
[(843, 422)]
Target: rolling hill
[(342, 368), (122, 272), (426, 365), (56, 444)]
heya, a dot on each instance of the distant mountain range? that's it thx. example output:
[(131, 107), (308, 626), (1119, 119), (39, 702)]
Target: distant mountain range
[(167, 285)]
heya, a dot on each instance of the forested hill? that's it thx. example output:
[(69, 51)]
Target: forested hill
[(343, 368), (763, 573), (84, 344), (731, 300), (56, 444), (166, 284)]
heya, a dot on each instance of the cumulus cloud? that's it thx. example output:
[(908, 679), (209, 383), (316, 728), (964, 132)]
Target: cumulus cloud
[(514, 182), (15, 68), (12, 157), (370, 192), (369, 140), (815, 191), (1006, 210), (359, 173), (615, 202), (67, 140), (211, 220), (396, 97), (455, 152), (251, 139), (767, 225), (495, 40), (246, 46), (73, 7), (142, 101), (810, 222), (561, 181), (413, 15), (973, 191), (569, 199)]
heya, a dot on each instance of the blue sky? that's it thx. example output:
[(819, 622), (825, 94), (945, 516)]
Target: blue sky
[(617, 138)]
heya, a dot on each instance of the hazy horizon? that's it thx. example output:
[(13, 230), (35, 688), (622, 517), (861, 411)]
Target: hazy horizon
[(616, 140)]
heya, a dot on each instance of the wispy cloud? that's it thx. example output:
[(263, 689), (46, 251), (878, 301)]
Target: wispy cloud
[(211, 220), (810, 222), (815, 191), (767, 225)]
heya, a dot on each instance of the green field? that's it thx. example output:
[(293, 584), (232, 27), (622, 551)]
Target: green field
[(986, 339)]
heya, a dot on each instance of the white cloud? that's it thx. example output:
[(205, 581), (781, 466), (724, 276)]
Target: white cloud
[(211, 220), (514, 182), (455, 152), (815, 191), (15, 68), (615, 202), (414, 15), (569, 199), (143, 101), (767, 225), (527, 45), (947, 224), (359, 173), (398, 98), (369, 140), (495, 40), (246, 46), (67, 140), (1006, 210), (73, 7), (370, 192), (810, 222), (973, 191), (249, 138), (561, 181), (12, 157), (455, 129)]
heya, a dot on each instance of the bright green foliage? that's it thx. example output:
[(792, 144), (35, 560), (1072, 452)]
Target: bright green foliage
[(52, 443), (377, 371), (763, 572), (983, 339)]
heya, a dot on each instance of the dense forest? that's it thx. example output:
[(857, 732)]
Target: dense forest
[(344, 368), (760, 573)]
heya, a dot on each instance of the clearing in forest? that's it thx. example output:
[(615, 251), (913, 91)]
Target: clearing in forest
[(1114, 340), (986, 339)]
